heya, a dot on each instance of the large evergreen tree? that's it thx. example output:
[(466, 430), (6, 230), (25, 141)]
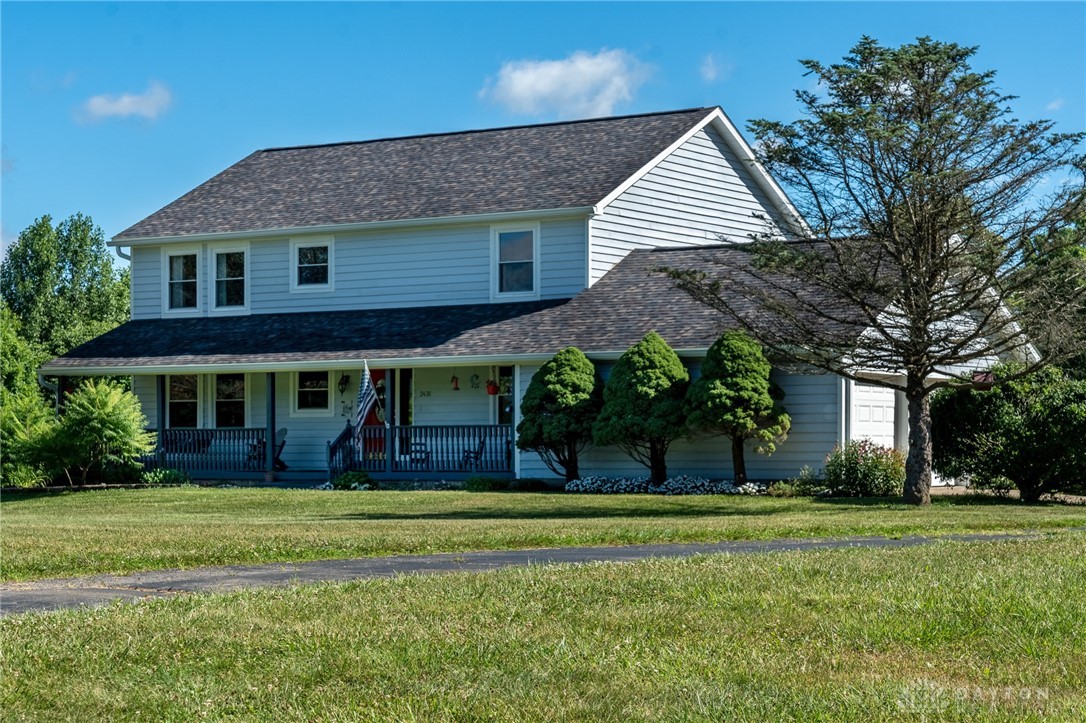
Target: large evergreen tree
[(643, 411), (558, 409), (734, 397), (917, 199)]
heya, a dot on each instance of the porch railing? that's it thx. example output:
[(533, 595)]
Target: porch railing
[(423, 449), (210, 450)]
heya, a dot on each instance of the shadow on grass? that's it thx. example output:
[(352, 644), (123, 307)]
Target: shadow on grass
[(21, 495), (563, 512), (963, 500)]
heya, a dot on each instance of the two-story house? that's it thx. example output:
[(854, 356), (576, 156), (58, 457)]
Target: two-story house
[(454, 264)]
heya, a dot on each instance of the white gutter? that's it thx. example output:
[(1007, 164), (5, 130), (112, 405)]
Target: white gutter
[(351, 227), (324, 364)]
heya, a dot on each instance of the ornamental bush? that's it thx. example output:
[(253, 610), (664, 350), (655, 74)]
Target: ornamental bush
[(101, 435), (559, 406), (734, 398), (1028, 432), (864, 469), (356, 480), (643, 410)]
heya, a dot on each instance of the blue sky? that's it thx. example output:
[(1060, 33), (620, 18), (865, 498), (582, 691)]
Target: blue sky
[(116, 109)]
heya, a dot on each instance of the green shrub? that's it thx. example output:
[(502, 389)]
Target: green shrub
[(101, 435), (807, 484), (864, 469), (357, 480), (643, 404), (27, 425), (165, 476), (782, 489), (734, 397), (559, 406), (1028, 431), (486, 484)]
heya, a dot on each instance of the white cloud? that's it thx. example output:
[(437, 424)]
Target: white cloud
[(580, 86), (709, 71), (1055, 105), (149, 104)]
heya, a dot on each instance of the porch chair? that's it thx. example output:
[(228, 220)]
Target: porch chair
[(473, 457), (256, 450)]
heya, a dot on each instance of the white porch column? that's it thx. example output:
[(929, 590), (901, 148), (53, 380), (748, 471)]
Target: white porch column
[(901, 421)]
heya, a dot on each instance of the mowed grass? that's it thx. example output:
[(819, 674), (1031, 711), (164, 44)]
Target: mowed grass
[(948, 631), (50, 535)]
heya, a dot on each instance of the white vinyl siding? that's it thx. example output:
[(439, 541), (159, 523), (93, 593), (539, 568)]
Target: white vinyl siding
[(381, 269), (437, 403), (312, 264), (146, 282), (696, 196)]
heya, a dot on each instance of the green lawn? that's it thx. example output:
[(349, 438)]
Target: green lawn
[(127, 530), (949, 631)]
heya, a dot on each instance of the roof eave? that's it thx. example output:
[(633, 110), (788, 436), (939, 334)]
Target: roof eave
[(121, 241), (321, 365)]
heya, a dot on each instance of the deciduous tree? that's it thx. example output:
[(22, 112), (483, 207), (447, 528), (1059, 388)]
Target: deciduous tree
[(60, 283)]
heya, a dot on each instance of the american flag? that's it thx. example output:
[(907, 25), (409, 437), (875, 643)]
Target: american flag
[(367, 397)]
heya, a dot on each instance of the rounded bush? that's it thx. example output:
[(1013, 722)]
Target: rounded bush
[(864, 469)]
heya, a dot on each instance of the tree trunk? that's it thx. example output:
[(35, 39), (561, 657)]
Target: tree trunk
[(739, 462), (572, 468), (918, 461), (657, 463)]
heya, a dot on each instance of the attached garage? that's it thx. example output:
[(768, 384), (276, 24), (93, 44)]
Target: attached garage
[(873, 413)]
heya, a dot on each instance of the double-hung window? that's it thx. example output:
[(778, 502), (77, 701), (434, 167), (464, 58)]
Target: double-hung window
[(183, 402), (515, 268), (312, 393), (181, 280), (229, 270), (312, 266), (182, 292), (229, 400)]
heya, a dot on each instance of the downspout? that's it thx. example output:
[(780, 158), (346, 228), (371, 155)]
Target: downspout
[(123, 255), (46, 385)]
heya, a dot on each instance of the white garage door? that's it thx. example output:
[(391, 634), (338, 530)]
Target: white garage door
[(873, 413)]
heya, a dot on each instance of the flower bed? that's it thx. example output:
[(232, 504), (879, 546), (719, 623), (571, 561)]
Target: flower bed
[(683, 485)]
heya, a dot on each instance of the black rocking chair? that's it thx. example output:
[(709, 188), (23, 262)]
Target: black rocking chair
[(473, 457), (256, 450)]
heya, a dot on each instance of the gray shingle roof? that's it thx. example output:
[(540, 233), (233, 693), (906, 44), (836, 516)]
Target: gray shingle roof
[(550, 166), (610, 316)]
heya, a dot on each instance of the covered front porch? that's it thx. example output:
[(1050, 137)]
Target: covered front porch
[(429, 422)]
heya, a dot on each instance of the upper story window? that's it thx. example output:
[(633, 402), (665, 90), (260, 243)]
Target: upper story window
[(230, 278), (181, 280), (515, 268), (312, 265), (182, 292), (312, 393)]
